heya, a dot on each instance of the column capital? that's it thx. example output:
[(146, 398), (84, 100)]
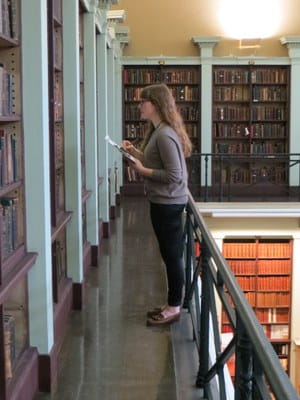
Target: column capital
[(293, 45), (206, 44)]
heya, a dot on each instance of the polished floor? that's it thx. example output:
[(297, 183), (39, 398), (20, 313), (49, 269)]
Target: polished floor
[(109, 353)]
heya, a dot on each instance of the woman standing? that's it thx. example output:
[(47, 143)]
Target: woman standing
[(162, 163)]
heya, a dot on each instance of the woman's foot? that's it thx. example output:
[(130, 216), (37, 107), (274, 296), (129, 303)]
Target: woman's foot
[(155, 311), (166, 316)]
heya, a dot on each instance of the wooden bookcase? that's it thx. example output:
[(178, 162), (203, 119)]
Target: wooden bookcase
[(59, 216), (250, 116), (15, 261), (263, 268), (184, 82)]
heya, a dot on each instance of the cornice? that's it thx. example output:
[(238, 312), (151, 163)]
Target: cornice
[(206, 41), (160, 60), (101, 22), (293, 45)]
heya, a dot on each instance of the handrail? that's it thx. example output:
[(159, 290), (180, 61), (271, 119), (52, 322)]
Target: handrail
[(257, 361)]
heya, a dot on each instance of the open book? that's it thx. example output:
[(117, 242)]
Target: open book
[(121, 149)]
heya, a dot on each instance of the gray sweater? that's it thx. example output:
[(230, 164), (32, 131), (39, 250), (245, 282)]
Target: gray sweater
[(163, 154)]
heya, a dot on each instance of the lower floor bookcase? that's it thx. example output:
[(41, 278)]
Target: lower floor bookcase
[(263, 269)]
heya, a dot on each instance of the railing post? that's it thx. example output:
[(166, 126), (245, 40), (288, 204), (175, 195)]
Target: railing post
[(204, 320), (243, 364), (189, 256), (206, 178)]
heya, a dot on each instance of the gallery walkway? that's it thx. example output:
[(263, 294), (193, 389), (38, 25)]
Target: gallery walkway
[(109, 353)]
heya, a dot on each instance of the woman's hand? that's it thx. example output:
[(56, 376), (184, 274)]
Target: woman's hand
[(128, 146), (138, 166)]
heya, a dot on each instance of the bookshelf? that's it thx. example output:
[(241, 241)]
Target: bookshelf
[(15, 261), (250, 116), (184, 82), (263, 269), (59, 216)]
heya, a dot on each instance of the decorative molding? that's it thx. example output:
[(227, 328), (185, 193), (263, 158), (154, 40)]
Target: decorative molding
[(206, 45), (101, 22), (104, 4), (290, 40), (161, 59), (115, 16), (293, 45), (206, 41), (122, 35)]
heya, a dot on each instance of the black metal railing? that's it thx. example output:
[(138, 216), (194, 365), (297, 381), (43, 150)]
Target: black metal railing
[(228, 177), (210, 282)]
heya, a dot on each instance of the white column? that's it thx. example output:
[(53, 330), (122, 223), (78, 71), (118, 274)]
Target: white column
[(73, 180), (206, 45), (118, 114), (111, 120), (37, 190), (90, 112), (293, 44), (102, 126)]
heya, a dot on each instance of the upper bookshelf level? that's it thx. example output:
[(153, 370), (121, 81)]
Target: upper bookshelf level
[(183, 81), (251, 117)]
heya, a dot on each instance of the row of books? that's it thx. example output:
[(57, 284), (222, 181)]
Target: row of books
[(247, 282), (180, 93), (272, 299), (246, 76), (132, 175), (282, 349), (58, 48), (231, 93), (145, 77), (244, 176), (277, 332), (273, 315), (257, 250), (269, 283), (268, 113), (242, 93), (133, 131), (60, 189), (243, 113), (273, 283), (229, 113), (269, 93), (8, 158), (6, 92), (9, 223), (251, 148), (188, 113), (58, 98), (9, 344), (260, 267), (9, 24), (59, 146), (257, 131)]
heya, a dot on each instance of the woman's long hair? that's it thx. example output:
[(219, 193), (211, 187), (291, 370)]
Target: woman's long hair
[(162, 99)]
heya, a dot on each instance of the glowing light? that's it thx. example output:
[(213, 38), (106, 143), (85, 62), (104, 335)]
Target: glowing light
[(249, 18)]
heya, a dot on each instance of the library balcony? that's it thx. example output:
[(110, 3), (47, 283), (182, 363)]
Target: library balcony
[(231, 175), (110, 353)]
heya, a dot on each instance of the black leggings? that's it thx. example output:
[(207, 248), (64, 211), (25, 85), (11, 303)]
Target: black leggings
[(168, 227)]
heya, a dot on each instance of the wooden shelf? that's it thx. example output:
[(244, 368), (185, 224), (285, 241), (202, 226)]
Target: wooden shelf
[(266, 282)]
